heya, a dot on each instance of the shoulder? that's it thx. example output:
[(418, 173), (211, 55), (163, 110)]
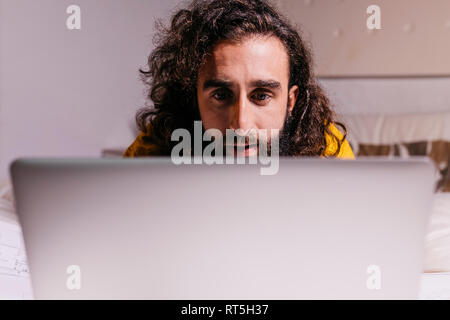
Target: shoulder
[(142, 146), (332, 144)]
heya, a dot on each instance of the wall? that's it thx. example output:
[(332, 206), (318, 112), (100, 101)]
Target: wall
[(413, 39), (71, 92)]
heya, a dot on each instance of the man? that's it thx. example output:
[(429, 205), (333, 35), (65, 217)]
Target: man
[(235, 64)]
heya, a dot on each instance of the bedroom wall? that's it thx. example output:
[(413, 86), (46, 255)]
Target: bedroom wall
[(413, 39), (71, 92)]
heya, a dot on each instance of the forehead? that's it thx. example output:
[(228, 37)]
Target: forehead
[(253, 58)]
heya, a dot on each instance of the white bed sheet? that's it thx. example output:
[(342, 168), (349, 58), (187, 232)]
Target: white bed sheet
[(14, 276)]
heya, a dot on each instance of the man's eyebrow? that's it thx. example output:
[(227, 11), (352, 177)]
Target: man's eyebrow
[(271, 84), (217, 83)]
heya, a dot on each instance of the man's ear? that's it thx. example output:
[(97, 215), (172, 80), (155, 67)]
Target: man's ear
[(292, 97)]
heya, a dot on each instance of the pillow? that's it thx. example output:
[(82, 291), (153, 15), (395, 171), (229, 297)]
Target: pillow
[(403, 136)]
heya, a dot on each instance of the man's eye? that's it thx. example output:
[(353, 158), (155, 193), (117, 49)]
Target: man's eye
[(221, 96), (261, 96)]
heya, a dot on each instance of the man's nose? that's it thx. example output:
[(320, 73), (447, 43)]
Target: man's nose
[(242, 117)]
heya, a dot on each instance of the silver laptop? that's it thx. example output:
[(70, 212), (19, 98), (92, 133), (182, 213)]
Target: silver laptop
[(150, 229)]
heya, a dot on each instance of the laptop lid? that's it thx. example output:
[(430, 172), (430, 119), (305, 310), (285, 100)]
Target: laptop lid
[(149, 229)]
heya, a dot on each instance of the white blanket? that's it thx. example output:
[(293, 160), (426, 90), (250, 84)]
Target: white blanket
[(14, 277)]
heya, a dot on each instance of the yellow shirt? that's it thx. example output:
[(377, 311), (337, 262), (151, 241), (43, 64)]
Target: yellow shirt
[(140, 148), (346, 151)]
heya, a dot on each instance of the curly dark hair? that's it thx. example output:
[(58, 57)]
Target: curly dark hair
[(181, 50)]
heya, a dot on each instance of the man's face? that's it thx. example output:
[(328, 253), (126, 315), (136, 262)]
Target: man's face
[(245, 86)]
